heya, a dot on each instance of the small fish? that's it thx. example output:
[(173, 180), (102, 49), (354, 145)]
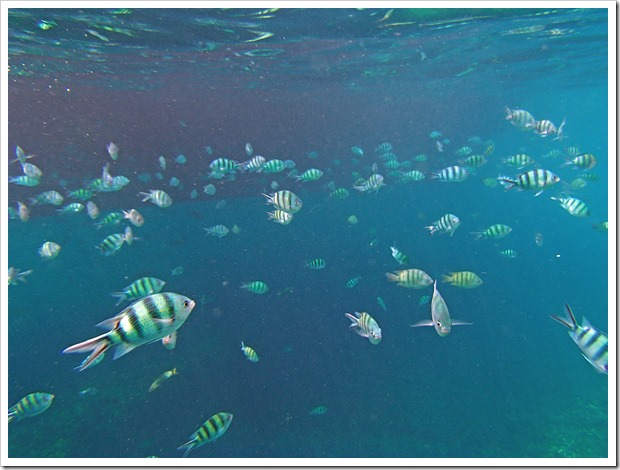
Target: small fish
[(573, 206), (544, 128), (162, 162), (163, 378), (435, 135), (508, 253), (178, 271), (146, 320), (280, 217), (317, 263), (250, 354), (585, 161), (520, 118), (601, 227), (440, 316), (519, 160), (381, 303), (170, 341), (217, 231), (72, 208), (110, 219), (474, 161), (212, 428), (23, 212), (372, 184), (285, 200), (53, 198), (352, 219), (351, 283), (495, 231), (365, 326), (538, 239), (254, 164), (411, 176), (257, 287), (424, 300), (447, 223), (31, 405), (384, 147), (134, 217), (88, 392), (15, 276), (451, 174), (32, 170), (21, 155), (249, 150), (357, 151), (592, 343), (139, 288), (465, 279), (82, 194), (129, 238), (272, 166), (181, 159), (49, 250), (158, 197), (463, 151), (411, 278), (312, 174), (398, 255), (318, 411), (340, 193), (113, 150), (111, 244), (24, 180), (209, 189), (92, 210)]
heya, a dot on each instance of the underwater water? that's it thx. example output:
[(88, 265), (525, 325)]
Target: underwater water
[(203, 83)]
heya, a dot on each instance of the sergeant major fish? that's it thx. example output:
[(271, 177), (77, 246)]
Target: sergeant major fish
[(212, 428), (365, 326), (31, 405)]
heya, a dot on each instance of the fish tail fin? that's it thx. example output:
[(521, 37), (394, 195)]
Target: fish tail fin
[(508, 112), (97, 345), (478, 235), (121, 296), (569, 323), (392, 277), (187, 447), (445, 278), (11, 415)]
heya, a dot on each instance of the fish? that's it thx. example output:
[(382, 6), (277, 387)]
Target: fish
[(272, 166), (181, 159), (212, 429), (144, 321), (495, 232), (474, 161), (15, 276), (352, 219), (74, 207), (435, 135), (285, 200), (592, 343), (411, 176), (257, 287), (31, 405), (170, 341), (519, 160), (601, 227), (318, 410), (424, 300), (88, 392), (134, 217), (585, 161), (49, 250), (32, 170), (372, 184), (357, 151), (508, 253), (384, 147), (24, 180), (351, 283), (317, 263), (139, 288), (250, 354), (209, 189), (440, 316), (21, 155), (111, 218), (217, 231), (447, 223), (23, 211), (312, 174), (249, 150), (463, 151), (538, 239), (158, 197), (162, 378), (82, 194), (162, 162), (111, 244), (465, 279), (365, 326), (398, 255), (92, 210), (177, 271), (573, 206), (224, 165), (52, 197), (520, 118), (451, 174), (381, 303), (544, 128), (411, 278), (112, 150), (280, 217), (339, 193), (252, 165)]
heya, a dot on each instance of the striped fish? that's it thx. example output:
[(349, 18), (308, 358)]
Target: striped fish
[(254, 164), (340, 193), (280, 217), (351, 283), (111, 244), (440, 315), (474, 161), (32, 170), (585, 161), (250, 354), (158, 197), (217, 231), (21, 156), (81, 194), (317, 263), (398, 255), (48, 197), (357, 151), (593, 343), (71, 208), (31, 405), (224, 165), (520, 118), (212, 428), (519, 160), (24, 180), (139, 288), (448, 223), (573, 206), (464, 279), (112, 218), (451, 174), (411, 278), (312, 174), (318, 411), (272, 166), (384, 147), (258, 287), (285, 200), (372, 184), (149, 319), (495, 231), (544, 128), (410, 176), (365, 326), (508, 253), (162, 378), (49, 250)]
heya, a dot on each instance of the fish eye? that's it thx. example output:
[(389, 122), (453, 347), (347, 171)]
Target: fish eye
[(186, 303)]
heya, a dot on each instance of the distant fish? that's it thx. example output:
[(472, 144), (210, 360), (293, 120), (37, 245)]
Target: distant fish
[(381, 303), (508, 253), (49, 250), (447, 223), (351, 283), (249, 353), (317, 263), (398, 255), (113, 150), (573, 206), (163, 378), (520, 118), (318, 411), (217, 231), (464, 279), (178, 271), (257, 287), (451, 174), (495, 231), (538, 239), (212, 429), (134, 217), (365, 326), (158, 197), (411, 278)]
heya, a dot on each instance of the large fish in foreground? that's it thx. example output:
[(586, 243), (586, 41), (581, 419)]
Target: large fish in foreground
[(593, 343), (149, 319), (440, 316)]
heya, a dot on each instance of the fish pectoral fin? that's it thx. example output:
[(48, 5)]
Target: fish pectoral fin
[(422, 323), (110, 323), (459, 322), (164, 321), (360, 332), (123, 349)]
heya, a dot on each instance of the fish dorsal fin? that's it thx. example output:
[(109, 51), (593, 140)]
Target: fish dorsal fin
[(123, 349), (111, 323)]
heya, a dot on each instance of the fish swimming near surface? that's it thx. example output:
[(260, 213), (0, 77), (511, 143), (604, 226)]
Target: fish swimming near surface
[(146, 320), (593, 343)]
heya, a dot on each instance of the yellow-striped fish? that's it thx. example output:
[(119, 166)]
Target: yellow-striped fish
[(29, 406), (411, 278), (465, 279), (249, 353), (212, 428), (365, 326), (163, 378)]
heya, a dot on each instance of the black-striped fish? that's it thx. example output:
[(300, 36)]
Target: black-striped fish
[(31, 405), (593, 343), (351, 283), (48, 197), (312, 174), (272, 166), (162, 378), (223, 165), (111, 244), (218, 231), (32, 170), (146, 320), (212, 428), (508, 253), (280, 217), (257, 287), (520, 118), (253, 164), (585, 161), (112, 218), (317, 263), (71, 208), (318, 410), (573, 206), (411, 278), (24, 180), (464, 279), (519, 160), (440, 316), (398, 255), (474, 161), (544, 128), (340, 193), (372, 184), (158, 197), (285, 200), (451, 174), (495, 231), (81, 194), (365, 326), (249, 353), (447, 223), (139, 288), (384, 147)]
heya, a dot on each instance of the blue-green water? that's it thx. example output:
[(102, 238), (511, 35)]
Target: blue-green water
[(513, 384)]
